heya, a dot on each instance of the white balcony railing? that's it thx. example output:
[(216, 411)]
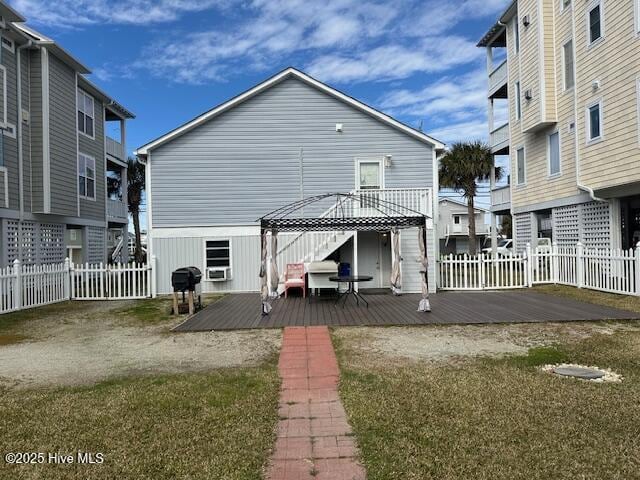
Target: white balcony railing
[(116, 209), (498, 77), (499, 137), (115, 149), (393, 200), (501, 195)]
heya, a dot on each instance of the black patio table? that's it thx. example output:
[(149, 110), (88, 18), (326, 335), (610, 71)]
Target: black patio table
[(351, 280)]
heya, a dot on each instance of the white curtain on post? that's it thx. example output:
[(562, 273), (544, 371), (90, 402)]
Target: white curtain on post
[(424, 305), (264, 288), (275, 277), (396, 278)]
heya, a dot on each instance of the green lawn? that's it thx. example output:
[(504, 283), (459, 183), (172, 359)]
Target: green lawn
[(218, 425), (487, 418)]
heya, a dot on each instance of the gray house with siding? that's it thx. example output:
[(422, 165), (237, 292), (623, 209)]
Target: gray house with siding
[(287, 138), (55, 154)]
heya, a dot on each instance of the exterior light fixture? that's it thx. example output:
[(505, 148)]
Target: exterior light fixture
[(387, 161)]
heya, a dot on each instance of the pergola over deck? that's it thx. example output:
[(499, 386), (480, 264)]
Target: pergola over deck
[(362, 211)]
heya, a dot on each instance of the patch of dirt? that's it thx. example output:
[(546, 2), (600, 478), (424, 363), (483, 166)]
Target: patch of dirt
[(11, 338), (93, 343), (447, 343)]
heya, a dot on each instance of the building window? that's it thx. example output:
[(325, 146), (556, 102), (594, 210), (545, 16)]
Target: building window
[(456, 219), (595, 22), (518, 102), (554, 153), (564, 5), (516, 34), (86, 114), (86, 176), (218, 253), (520, 166), (637, 5), (369, 175), (594, 122), (8, 44), (569, 72)]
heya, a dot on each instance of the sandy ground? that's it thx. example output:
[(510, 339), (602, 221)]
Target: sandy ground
[(90, 345), (448, 343)]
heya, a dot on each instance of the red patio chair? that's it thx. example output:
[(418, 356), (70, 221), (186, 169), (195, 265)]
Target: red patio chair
[(294, 278)]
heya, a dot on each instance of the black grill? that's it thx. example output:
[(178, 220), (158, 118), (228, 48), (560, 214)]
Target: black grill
[(185, 278)]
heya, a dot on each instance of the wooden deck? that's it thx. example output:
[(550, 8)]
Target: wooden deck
[(241, 311)]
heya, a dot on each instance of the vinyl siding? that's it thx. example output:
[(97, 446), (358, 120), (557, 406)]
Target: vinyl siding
[(62, 134), (247, 161), (36, 130), (95, 209), (10, 145)]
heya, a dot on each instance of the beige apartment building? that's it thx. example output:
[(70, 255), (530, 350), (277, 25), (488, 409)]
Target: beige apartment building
[(569, 71)]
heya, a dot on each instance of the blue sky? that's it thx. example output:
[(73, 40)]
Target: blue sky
[(170, 60)]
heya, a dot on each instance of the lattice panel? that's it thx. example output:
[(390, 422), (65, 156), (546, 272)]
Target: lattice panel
[(51, 246), (96, 244), (596, 229), (566, 225), (29, 247), (522, 231), (10, 240)]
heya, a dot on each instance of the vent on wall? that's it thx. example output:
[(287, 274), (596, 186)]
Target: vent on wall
[(528, 94), (526, 21)]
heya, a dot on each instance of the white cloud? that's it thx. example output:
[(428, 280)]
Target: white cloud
[(475, 129), (78, 13)]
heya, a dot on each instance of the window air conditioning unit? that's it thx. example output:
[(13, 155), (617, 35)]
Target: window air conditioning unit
[(526, 21), (219, 274), (528, 94)]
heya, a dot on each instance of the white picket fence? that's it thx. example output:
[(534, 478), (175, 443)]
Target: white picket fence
[(27, 286), (607, 270)]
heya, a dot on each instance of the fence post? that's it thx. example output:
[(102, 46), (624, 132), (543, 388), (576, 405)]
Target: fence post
[(154, 284), (579, 265), (555, 274), (529, 268), (637, 268), (67, 279), (17, 284)]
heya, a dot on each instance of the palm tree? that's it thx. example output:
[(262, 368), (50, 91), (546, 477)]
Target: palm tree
[(135, 188), (461, 168)]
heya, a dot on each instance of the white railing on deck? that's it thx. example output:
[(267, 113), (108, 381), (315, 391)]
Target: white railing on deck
[(498, 77), (27, 286), (116, 208), (499, 135), (607, 270), (501, 195)]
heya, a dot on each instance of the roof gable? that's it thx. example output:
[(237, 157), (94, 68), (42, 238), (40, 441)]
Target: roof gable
[(276, 79)]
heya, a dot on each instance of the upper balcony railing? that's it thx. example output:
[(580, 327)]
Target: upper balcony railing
[(498, 77), (499, 138), (501, 195), (115, 149), (116, 209)]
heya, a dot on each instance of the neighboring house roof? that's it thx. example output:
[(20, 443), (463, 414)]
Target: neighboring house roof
[(276, 79), (458, 202), (70, 60), (9, 14)]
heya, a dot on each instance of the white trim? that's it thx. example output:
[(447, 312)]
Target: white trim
[(590, 7), (524, 166), (6, 185), (518, 91), (542, 78), (80, 91), (361, 160), (46, 150), (638, 102), (9, 130), (289, 72), (78, 151), (566, 8), (564, 66), (198, 232), (4, 93), (516, 34), (204, 256), (589, 106), (637, 13), (559, 172)]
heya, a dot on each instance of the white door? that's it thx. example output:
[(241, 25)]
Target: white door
[(374, 258)]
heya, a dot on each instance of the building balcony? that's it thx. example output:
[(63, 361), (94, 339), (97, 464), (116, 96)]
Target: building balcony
[(498, 81), (501, 199), (115, 149), (116, 211), (499, 140)]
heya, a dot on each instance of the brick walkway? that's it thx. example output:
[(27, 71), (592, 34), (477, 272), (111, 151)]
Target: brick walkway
[(314, 438)]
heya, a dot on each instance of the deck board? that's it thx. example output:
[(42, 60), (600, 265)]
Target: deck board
[(242, 311)]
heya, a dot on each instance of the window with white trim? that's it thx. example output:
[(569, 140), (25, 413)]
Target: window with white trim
[(564, 5), (568, 67), (516, 34), (86, 114), (456, 219), (554, 153), (520, 166), (86, 176), (8, 44), (218, 253), (637, 9), (518, 102), (595, 22), (594, 122), (369, 175)]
